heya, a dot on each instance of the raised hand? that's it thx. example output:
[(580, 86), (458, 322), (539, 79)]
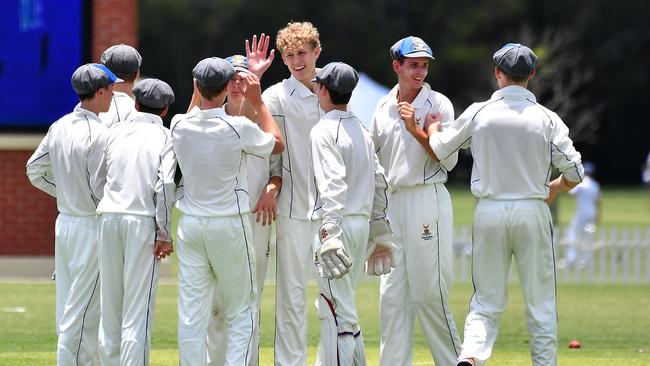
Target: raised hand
[(251, 88), (432, 124), (258, 62)]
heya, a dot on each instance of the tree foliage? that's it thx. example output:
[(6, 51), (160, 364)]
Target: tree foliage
[(593, 55)]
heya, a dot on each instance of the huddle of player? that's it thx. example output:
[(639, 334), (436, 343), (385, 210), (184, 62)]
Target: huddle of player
[(295, 156)]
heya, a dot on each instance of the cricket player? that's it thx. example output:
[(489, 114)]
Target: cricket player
[(262, 190), (296, 110), (420, 212), (214, 230), (514, 141), (345, 169), (125, 62), (580, 233), (66, 165), (135, 224)]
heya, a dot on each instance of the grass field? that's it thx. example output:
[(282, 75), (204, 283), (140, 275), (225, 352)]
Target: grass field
[(611, 321)]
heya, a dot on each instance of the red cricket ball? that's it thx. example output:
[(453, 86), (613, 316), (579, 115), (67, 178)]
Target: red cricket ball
[(574, 344)]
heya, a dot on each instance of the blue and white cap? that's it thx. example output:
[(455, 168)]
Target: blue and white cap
[(238, 62), (90, 77), (410, 47)]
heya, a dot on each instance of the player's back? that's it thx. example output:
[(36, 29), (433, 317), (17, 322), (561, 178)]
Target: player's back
[(211, 149), (514, 142), (133, 156), (70, 140), (344, 132)]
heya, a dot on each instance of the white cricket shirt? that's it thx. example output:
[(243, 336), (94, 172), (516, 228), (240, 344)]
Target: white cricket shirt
[(121, 109), (406, 162), (346, 172), (211, 149), (296, 110), (66, 164), (140, 166), (514, 142), (587, 194)]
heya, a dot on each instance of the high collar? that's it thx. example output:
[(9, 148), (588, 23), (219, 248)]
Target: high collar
[(514, 92), (419, 100), (147, 118), (300, 88), (208, 113), (83, 112), (336, 114)]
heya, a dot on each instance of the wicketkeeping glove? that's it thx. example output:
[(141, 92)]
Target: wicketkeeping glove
[(335, 259), (381, 250)]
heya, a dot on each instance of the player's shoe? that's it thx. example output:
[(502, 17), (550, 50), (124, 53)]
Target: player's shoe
[(466, 362)]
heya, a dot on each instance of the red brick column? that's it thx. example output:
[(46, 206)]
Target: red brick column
[(27, 214), (114, 21)]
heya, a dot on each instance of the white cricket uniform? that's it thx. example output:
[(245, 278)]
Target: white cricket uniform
[(514, 142), (214, 230), (122, 109), (296, 110), (259, 171), (580, 233), (66, 165), (134, 212), (421, 219), (345, 169)]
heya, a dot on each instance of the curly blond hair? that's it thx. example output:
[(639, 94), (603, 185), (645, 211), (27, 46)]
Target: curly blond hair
[(297, 34)]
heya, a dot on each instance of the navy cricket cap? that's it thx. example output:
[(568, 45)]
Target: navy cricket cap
[(410, 47), (515, 60), (153, 93), (122, 59), (213, 72), (338, 76), (239, 63), (90, 77)]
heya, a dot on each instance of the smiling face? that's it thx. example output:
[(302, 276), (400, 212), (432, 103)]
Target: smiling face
[(412, 71), (301, 61)]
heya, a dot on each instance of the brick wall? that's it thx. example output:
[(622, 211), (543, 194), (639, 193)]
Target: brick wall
[(27, 215), (114, 21)]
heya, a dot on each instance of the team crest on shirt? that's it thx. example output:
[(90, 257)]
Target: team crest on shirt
[(426, 233)]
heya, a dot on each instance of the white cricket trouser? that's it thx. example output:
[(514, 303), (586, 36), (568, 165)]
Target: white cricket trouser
[(214, 253), (421, 218), (294, 255), (217, 335), (77, 289), (129, 278), (580, 238), (501, 230), (339, 318)]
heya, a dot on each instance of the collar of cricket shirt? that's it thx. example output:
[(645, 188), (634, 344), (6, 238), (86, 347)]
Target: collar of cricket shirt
[(300, 88), (147, 118), (514, 92), (82, 112), (419, 100), (208, 113), (336, 114)]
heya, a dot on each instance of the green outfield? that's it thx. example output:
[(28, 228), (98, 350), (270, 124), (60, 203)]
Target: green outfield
[(611, 321)]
